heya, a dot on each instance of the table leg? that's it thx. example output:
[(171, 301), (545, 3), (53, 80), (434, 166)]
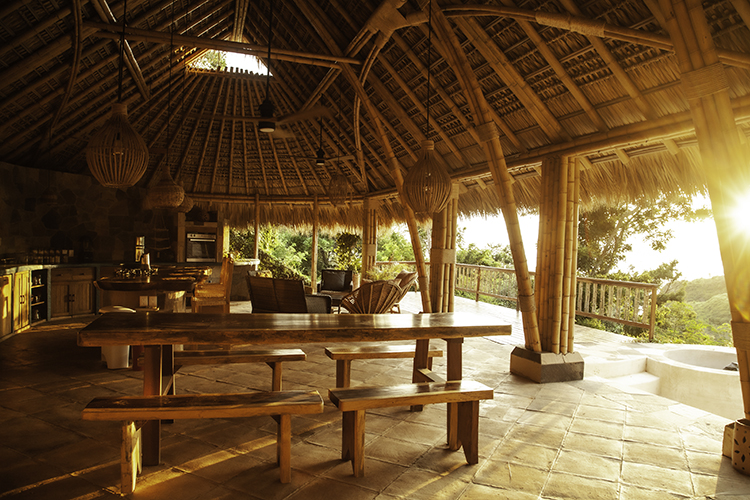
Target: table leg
[(152, 380), (454, 372), (421, 360)]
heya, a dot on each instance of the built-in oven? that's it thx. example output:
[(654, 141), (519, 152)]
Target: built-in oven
[(200, 247)]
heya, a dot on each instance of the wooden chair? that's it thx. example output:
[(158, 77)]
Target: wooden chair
[(215, 295), (406, 280), (273, 295), (375, 297)]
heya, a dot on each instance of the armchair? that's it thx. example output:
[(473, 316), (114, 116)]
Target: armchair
[(375, 297), (336, 283), (272, 295)]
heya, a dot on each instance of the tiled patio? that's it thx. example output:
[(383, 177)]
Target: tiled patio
[(576, 440)]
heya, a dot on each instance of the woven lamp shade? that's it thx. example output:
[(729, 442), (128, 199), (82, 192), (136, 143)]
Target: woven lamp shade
[(117, 156), (427, 185), (339, 189), (165, 193), (186, 205)]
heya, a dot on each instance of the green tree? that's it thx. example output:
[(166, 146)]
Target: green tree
[(603, 232), (211, 59), (677, 323), (348, 251)]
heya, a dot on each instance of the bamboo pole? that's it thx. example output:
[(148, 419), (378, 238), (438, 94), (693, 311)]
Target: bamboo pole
[(493, 150), (314, 246), (256, 226), (576, 175)]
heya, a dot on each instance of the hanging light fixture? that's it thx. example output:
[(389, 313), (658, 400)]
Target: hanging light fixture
[(266, 108), (427, 185), (116, 155), (166, 193)]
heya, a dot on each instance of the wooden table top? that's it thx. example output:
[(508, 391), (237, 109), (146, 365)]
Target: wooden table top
[(234, 329)]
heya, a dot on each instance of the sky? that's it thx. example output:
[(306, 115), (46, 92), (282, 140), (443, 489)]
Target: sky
[(695, 245)]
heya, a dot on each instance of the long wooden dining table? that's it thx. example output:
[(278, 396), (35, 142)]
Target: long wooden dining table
[(158, 332)]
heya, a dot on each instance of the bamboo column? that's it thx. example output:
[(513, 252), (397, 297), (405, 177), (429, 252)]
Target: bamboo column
[(369, 234), (704, 83), (256, 225), (556, 254), (314, 246), (443, 255)]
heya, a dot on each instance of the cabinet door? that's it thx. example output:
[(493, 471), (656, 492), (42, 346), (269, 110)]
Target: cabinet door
[(81, 298), (6, 298), (59, 299), (21, 302)]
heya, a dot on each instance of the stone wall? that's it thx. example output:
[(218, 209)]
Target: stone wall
[(99, 224)]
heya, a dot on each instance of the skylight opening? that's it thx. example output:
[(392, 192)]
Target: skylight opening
[(220, 61)]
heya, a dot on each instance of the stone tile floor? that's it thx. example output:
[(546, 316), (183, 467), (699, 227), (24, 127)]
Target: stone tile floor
[(581, 440)]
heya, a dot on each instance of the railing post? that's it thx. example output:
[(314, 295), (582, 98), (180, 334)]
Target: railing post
[(479, 281), (652, 322)]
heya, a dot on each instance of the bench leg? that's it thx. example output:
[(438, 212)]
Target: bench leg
[(343, 372), (276, 377), (130, 457), (353, 440), (284, 448), (468, 429)]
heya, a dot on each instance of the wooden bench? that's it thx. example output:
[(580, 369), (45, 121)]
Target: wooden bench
[(132, 410), (272, 357), (344, 356), (354, 401)]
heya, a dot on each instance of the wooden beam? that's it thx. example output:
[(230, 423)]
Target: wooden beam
[(323, 60)]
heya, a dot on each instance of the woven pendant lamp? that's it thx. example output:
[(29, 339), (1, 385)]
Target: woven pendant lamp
[(339, 189), (186, 205), (427, 185), (165, 193), (117, 156)]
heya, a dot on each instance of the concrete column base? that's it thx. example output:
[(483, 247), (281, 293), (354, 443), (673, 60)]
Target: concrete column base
[(545, 367)]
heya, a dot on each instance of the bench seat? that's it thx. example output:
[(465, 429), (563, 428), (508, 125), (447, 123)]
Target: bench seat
[(272, 357), (355, 401), (133, 410), (344, 356)]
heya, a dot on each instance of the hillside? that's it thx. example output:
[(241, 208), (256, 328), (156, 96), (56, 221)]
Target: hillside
[(702, 289)]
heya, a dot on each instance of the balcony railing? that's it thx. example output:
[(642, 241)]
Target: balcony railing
[(623, 302)]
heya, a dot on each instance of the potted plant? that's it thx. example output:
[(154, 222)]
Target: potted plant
[(348, 253)]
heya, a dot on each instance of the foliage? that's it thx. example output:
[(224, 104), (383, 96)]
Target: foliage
[(677, 323), (384, 272), (211, 59), (492, 256), (241, 244), (394, 246), (604, 231), (714, 311), (348, 251)]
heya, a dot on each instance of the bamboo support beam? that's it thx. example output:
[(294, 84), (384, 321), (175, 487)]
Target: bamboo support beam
[(480, 109), (324, 60)]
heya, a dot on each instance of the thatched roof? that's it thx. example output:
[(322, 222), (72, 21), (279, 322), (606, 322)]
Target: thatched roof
[(598, 80)]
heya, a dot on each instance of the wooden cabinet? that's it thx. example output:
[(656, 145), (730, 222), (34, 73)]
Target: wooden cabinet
[(21, 300), (72, 291), (6, 308)]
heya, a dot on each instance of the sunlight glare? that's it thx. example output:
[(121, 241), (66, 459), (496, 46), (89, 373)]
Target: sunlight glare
[(741, 215), (244, 61)]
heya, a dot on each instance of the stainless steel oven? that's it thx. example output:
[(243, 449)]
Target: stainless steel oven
[(200, 247)]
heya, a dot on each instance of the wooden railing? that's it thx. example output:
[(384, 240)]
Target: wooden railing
[(623, 302)]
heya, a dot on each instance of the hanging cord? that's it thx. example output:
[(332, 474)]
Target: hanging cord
[(429, 64), (122, 49), (270, 34)]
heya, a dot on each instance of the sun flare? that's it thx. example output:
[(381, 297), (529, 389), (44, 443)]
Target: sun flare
[(741, 215)]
